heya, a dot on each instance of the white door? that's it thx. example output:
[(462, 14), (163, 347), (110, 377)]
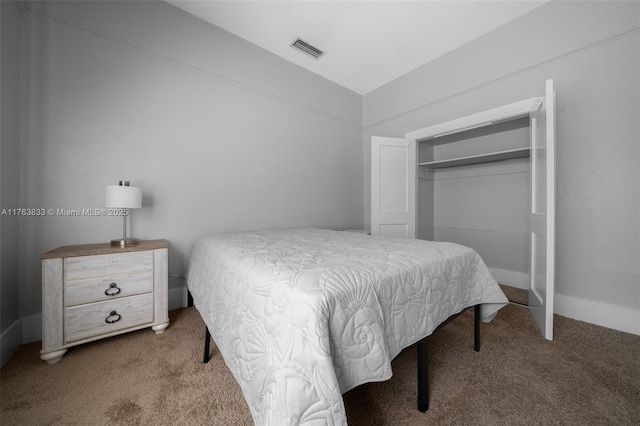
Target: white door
[(542, 218), (393, 187)]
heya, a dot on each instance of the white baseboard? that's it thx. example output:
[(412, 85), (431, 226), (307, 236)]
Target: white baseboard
[(511, 278), (10, 341), (592, 311), (604, 314)]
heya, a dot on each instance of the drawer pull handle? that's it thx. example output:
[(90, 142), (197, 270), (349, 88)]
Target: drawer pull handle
[(113, 317), (112, 290)]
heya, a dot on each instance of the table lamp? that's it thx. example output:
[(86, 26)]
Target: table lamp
[(123, 196)]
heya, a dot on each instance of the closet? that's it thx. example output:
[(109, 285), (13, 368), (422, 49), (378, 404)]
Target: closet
[(486, 180)]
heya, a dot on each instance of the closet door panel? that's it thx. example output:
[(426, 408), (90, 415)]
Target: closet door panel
[(542, 217)]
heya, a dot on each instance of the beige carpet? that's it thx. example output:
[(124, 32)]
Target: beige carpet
[(588, 375)]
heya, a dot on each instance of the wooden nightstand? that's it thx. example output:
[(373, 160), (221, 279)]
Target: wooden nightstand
[(94, 291)]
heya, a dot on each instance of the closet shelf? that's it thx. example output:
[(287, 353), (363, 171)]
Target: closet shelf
[(478, 159)]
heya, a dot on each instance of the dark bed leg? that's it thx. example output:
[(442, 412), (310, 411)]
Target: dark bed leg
[(476, 328), (189, 299), (207, 342), (423, 374), (423, 377)]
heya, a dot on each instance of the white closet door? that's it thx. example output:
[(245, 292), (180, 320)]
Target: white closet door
[(542, 218), (393, 187)]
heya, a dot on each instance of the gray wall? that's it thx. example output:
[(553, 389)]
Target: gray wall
[(219, 134), (10, 83), (591, 50)]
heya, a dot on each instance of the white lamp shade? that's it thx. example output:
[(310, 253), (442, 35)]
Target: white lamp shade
[(127, 197)]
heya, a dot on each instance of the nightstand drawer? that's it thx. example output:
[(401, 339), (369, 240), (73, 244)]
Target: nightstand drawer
[(82, 267), (107, 288), (86, 321)]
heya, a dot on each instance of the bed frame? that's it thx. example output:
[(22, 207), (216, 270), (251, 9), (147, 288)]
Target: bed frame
[(423, 373), (423, 376)]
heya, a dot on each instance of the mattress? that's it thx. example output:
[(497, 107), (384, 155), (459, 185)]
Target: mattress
[(302, 316)]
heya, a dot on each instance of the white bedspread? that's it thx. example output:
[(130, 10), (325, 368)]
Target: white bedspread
[(301, 316)]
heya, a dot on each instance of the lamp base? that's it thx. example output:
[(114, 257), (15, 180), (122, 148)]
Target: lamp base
[(125, 242)]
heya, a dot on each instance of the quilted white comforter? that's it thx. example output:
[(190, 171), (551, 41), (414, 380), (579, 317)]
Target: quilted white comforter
[(303, 315)]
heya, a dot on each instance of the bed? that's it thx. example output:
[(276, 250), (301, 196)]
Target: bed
[(302, 316)]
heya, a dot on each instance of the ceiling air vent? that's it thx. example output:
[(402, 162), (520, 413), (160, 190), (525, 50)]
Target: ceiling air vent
[(307, 48)]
